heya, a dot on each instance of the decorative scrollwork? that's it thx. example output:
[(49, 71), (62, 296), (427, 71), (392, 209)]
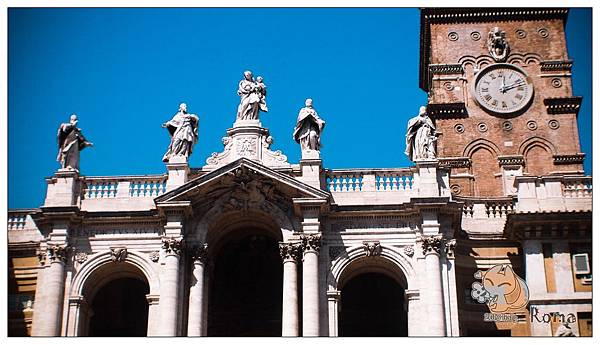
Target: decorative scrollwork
[(449, 247)]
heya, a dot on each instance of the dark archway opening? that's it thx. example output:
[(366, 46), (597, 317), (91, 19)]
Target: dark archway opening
[(120, 309), (246, 288), (372, 305)]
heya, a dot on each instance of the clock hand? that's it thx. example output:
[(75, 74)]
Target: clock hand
[(512, 86)]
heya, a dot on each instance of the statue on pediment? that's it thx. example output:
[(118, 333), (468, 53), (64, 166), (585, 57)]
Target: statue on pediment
[(309, 127), (420, 137), (253, 95), (70, 142), (183, 129)]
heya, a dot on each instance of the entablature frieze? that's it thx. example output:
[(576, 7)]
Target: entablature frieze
[(549, 225)]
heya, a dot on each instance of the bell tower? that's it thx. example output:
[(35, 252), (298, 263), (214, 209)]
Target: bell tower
[(500, 92)]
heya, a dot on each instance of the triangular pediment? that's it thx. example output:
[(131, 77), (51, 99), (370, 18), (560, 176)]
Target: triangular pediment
[(242, 175)]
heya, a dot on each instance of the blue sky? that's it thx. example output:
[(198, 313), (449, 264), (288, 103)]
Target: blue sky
[(124, 72)]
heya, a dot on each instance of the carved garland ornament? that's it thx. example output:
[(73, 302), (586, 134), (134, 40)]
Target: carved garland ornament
[(289, 251), (311, 242), (155, 256)]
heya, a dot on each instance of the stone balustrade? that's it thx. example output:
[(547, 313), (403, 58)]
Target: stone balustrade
[(149, 186), (367, 180), (371, 186), (577, 187), (18, 219), (553, 193)]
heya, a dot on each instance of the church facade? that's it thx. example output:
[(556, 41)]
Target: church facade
[(488, 234)]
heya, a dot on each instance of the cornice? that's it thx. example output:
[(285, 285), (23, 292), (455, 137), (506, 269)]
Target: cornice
[(447, 110), (563, 105)]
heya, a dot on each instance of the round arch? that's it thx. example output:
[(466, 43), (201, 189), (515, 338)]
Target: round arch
[(389, 261), (97, 265), (536, 141), (268, 216)]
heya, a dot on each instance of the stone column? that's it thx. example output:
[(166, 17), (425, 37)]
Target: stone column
[(48, 323), (169, 286), (310, 285), (414, 317), (434, 300), (534, 268), (563, 273), (289, 253), (333, 300), (196, 304), (453, 327)]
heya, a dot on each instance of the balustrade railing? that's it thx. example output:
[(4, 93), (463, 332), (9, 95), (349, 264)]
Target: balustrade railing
[(132, 186), (474, 207), (17, 219), (363, 180), (577, 187)]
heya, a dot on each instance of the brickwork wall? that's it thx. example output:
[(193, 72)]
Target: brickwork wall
[(530, 43)]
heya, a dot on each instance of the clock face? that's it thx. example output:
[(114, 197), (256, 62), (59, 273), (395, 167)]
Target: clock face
[(503, 89)]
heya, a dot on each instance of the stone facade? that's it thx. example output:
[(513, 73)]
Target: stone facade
[(427, 229)]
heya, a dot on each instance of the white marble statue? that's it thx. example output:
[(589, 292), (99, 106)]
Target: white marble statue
[(70, 142), (420, 137), (252, 97), (183, 129), (309, 128)]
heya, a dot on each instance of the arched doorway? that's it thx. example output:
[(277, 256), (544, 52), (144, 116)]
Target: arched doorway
[(245, 293), (120, 309), (372, 304)]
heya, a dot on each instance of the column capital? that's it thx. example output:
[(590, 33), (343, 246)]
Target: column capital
[(200, 253), (172, 246), (449, 248), (289, 251), (432, 244), (311, 242), (57, 253)]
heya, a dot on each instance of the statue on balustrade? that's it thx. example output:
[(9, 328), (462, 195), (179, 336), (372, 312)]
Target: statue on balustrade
[(420, 137), (70, 142), (183, 129), (253, 95), (309, 128)]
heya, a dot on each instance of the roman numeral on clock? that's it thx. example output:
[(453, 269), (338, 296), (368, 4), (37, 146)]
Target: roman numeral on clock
[(487, 97)]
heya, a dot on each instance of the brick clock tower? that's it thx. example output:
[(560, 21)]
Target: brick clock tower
[(501, 96)]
